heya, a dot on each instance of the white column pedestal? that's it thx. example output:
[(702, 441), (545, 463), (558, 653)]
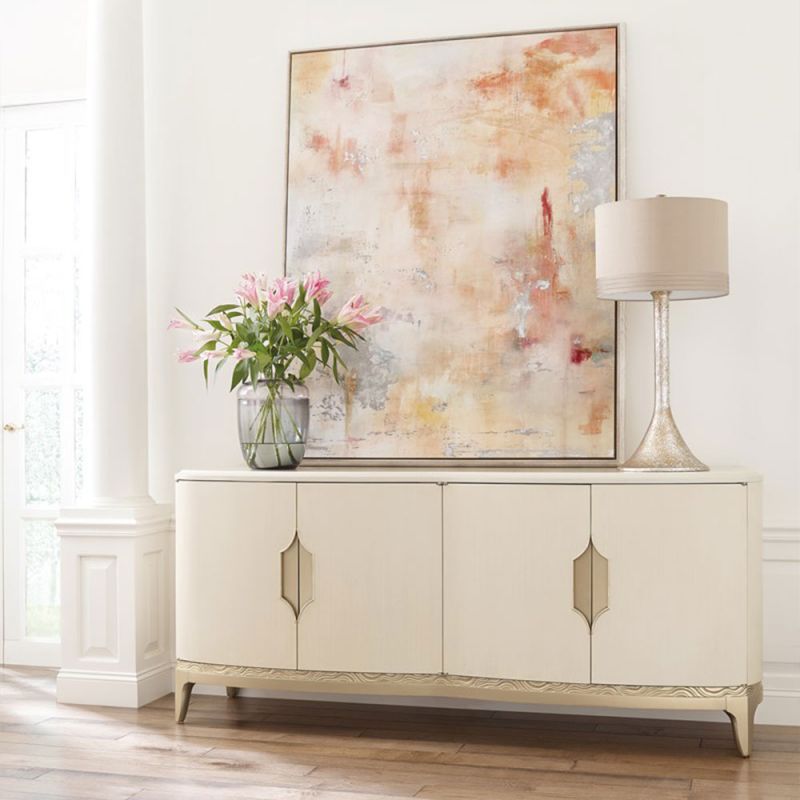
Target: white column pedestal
[(117, 567), (116, 549)]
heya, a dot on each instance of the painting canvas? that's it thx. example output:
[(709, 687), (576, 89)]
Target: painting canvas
[(453, 183)]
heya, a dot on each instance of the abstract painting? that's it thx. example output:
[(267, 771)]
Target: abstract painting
[(453, 183)]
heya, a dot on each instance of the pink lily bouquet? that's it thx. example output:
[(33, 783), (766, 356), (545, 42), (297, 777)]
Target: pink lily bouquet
[(277, 334)]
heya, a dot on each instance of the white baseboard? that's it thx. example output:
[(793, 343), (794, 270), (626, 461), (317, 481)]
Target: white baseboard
[(124, 690), (781, 704)]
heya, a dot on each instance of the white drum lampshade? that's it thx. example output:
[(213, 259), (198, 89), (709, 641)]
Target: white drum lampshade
[(661, 249), (672, 244)]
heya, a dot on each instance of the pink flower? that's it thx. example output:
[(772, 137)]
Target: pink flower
[(281, 293), (350, 309), (206, 355), (357, 315), (187, 356), (317, 286), (178, 323), (248, 290), (242, 353), (370, 316)]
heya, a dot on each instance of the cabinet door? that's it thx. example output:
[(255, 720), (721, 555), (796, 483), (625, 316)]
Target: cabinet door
[(508, 581), (677, 585), (377, 577), (229, 608)]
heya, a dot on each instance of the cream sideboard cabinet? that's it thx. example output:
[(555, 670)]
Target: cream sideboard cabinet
[(588, 588)]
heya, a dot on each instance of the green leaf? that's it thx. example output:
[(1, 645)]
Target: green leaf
[(239, 374), (317, 314), (205, 372), (284, 323), (324, 351), (212, 345), (309, 362), (223, 307), (312, 340)]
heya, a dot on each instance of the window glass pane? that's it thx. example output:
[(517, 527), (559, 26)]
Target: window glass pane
[(48, 194), (43, 446), (79, 448), (47, 289), (79, 328), (42, 592), (81, 175)]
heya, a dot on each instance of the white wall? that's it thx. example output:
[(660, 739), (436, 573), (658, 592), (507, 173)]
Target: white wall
[(42, 50)]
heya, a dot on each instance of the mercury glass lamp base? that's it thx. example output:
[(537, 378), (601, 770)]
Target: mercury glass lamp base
[(663, 449)]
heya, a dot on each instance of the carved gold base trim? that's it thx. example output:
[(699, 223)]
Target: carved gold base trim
[(739, 701), (433, 680)]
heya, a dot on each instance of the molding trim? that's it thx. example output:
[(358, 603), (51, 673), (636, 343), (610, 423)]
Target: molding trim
[(120, 689), (781, 695), (781, 544), (117, 522), (201, 670)]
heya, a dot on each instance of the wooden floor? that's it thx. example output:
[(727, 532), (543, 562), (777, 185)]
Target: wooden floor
[(257, 749)]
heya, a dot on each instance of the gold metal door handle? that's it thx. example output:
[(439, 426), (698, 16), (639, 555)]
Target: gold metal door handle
[(11, 428), (296, 576), (599, 584), (582, 584), (590, 584)]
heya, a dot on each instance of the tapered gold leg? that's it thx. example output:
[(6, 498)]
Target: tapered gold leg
[(742, 712), (183, 692), (232, 691)]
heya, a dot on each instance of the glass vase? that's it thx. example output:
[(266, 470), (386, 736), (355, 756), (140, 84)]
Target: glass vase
[(273, 424)]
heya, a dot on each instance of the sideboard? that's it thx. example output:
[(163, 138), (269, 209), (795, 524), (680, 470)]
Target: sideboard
[(571, 587)]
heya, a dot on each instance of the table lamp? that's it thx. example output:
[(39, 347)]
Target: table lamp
[(661, 249)]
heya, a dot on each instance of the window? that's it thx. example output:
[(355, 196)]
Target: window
[(43, 223)]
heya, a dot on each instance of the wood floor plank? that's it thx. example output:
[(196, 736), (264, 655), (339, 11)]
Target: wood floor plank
[(71, 785), (439, 792), (27, 772), (716, 790), (281, 749), (258, 793), (12, 794)]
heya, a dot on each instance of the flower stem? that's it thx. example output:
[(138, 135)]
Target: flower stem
[(270, 419)]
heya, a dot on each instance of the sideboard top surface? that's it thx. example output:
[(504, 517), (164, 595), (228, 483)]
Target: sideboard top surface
[(467, 475)]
